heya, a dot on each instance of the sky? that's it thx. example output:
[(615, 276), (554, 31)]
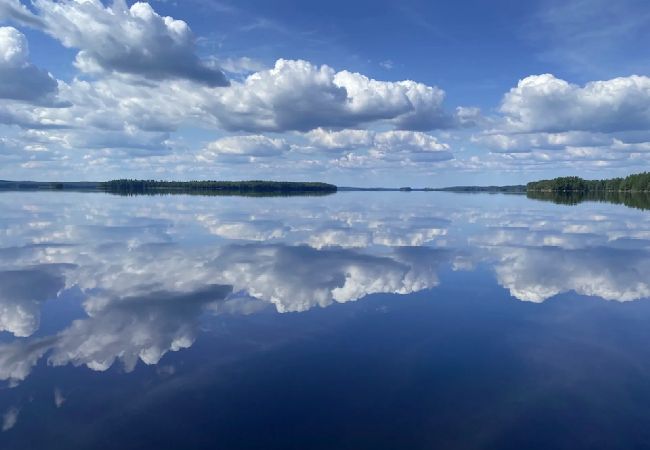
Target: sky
[(357, 93)]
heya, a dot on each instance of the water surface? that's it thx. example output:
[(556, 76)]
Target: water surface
[(359, 320)]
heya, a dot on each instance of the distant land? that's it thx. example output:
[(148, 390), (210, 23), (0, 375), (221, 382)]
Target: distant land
[(515, 188), (639, 182), (153, 187), (250, 187), (519, 188), (636, 183), (49, 185)]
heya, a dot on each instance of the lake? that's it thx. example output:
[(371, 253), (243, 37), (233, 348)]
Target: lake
[(380, 320)]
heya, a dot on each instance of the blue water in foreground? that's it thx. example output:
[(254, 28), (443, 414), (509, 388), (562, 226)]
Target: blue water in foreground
[(353, 321)]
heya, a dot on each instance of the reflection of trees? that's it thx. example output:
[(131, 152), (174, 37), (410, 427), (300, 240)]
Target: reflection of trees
[(638, 200)]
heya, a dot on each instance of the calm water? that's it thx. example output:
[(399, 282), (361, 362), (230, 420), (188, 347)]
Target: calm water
[(358, 320)]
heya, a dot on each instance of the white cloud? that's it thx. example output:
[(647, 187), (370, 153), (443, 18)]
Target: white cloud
[(19, 79), (527, 142), (13, 47), (130, 120), (243, 148), (14, 9), (415, 142), (546, 103), (297, 95), (117, 38), (548, 122), (399, 145), (149, 88), (340, 140)]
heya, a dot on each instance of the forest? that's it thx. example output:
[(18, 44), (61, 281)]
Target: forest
[(253, 187), (639, 182)]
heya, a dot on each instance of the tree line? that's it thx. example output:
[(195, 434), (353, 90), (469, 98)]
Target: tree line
[(639, 182), (128, 186)]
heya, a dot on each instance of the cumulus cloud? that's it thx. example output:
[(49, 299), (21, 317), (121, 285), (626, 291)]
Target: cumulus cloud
[(243, 148), (19, 79), (407, 147), (526, 142), (548, 122), (117, 38), (297, 95), (340, 140), (14, 9), (399, 145), (419, 146), (149, 82), (112, 113), (546, 103)]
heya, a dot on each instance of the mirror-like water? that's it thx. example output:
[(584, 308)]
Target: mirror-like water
[(357, 320)]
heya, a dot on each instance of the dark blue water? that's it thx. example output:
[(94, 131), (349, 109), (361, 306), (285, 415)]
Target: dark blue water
[(359, 320)]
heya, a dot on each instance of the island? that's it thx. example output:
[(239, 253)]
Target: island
[(251, 187), (153, 187)]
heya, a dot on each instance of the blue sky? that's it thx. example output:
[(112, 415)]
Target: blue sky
[(357, 93)]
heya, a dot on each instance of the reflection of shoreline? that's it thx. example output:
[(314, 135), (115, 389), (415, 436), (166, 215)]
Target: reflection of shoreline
[(163, 192), (252, 188), (637, 200)]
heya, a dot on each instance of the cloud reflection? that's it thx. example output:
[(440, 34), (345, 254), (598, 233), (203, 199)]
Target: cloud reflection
[(150, 269), (148, 276), (22, 293)]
